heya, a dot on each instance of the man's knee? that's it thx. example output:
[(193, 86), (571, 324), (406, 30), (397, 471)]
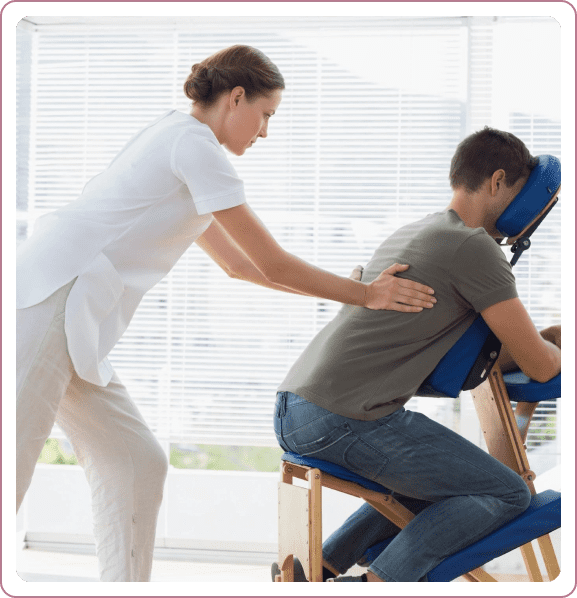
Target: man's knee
[(520, 495), (524, 496)]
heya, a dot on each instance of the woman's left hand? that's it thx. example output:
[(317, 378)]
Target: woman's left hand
[(357, 273)]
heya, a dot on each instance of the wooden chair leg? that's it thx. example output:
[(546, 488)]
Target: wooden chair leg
[(315, 526), (531, 564), (523, 415), (499, 426), (505, 434), (393, 510), (300, 525), (549, 556), (287, 570), (478, 575), (292, 528)]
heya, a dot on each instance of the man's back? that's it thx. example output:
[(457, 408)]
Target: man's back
[(366, 364)]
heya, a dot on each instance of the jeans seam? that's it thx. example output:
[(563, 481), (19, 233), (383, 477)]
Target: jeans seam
[(471, 464), (335, 564), (463, 544), (310, 422), (303, 402), (381, 574), (328, 445), (377, 451), (280, 412), (454, 549)]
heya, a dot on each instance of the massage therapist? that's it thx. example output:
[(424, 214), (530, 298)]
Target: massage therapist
[(85, 269)]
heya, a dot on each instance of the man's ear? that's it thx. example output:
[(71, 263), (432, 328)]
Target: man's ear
[(498, 181)]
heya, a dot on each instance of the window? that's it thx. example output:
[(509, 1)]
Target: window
[(361, 145)]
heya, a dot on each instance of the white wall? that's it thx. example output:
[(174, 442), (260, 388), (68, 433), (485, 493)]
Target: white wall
[(203, 510)]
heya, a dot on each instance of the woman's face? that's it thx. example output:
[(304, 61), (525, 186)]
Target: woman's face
[(247, 121)]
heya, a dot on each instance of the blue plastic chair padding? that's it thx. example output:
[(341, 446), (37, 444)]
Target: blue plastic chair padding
[(524, 390), (335, 470), (449, 375), (537, 192), (541, 517)]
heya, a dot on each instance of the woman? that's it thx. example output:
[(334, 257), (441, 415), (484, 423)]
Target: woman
[(83, 272)]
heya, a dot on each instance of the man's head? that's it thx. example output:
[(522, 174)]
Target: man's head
[(488, 170), (481, 154)]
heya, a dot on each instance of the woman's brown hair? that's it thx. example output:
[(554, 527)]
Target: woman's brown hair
[(242, 66)]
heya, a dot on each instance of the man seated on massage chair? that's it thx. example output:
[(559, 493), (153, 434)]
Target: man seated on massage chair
[(344, 399)]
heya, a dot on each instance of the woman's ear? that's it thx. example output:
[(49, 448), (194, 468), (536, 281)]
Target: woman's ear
[(235, 96)]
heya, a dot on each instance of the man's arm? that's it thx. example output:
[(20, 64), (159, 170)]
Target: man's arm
[(506, 362), (538, 358)]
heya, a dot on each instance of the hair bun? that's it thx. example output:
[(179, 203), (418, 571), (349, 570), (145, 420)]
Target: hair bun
[(198, 86), (241, 66)]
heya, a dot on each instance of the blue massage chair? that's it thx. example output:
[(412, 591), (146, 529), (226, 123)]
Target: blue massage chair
[(468, 365)]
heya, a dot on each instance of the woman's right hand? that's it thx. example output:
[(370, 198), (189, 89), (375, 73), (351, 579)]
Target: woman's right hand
[(398, 294)]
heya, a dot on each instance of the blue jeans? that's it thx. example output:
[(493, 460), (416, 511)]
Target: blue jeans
[(458, 491)]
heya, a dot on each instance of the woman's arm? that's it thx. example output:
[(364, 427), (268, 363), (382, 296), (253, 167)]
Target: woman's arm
[(279, 267), (230, 257)]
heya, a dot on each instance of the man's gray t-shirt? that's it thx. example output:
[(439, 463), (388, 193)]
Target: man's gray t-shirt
[(366, 364)]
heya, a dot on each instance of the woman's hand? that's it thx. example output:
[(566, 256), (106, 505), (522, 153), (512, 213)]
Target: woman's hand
[(397, 294), (357, 273), (282, 269)]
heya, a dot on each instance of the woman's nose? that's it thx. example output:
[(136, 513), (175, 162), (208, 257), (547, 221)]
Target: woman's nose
[(264, 131)]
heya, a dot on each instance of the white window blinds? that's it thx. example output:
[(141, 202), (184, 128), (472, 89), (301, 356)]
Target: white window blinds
[(361, 144)]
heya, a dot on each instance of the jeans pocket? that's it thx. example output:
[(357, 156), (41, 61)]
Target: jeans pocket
[(365, 459), (329, 444)]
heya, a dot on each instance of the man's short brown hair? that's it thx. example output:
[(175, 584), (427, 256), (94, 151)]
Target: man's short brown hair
[(483, 153)]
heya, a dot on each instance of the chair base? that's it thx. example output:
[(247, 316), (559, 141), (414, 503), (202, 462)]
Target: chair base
[(505, 433), (300, 520)]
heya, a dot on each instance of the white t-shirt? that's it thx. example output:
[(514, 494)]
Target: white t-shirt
[(125, 232)]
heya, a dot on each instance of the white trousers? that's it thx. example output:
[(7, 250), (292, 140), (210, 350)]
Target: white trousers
[(124, 464)]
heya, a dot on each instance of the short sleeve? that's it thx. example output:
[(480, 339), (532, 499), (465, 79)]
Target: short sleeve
[(481, 273), (203, 166)]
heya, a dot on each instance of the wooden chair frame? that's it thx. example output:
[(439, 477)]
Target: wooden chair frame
[(300, 509), (505, 434)]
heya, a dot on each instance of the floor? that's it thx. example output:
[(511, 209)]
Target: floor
[(41, 565), (34, 565)]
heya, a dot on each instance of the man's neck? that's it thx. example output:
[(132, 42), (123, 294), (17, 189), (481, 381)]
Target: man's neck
[(472, 209), (467, 207)]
